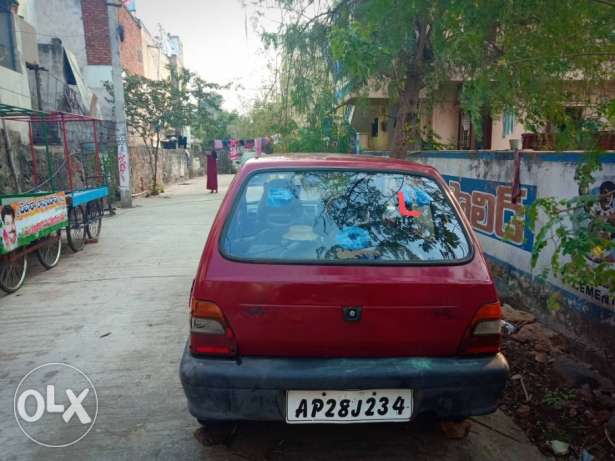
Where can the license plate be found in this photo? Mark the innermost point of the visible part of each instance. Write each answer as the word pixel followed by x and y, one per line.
pixel 374 405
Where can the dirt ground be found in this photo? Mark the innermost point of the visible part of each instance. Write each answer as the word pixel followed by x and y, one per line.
pixel 554 397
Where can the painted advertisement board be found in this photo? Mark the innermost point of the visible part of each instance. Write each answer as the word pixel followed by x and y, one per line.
pixel 482 182
pixel 25 219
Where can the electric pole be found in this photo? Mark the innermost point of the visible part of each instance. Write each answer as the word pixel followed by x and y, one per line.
pixel 121 132
pixel 37 79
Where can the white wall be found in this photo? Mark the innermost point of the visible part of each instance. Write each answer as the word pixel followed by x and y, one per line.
pixel 445 115
pixel 63 19
pixel 95 78
pixel 499 142
pixel 60 19
pixel 155 62
pixel 14 85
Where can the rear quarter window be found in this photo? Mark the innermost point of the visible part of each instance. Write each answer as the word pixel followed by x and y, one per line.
pixel 343 217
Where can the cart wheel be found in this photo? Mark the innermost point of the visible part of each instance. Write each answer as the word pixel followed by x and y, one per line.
pixel 75 231
pixel 49 254
pixel 13 273
pixel 94 214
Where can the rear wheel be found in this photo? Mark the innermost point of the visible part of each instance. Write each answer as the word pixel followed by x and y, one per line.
pixel 49 253
pixel 75 231
pixel 94 212
pixel 13 273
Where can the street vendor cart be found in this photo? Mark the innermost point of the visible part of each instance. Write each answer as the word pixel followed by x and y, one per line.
pixel 29 223
pixel 67 175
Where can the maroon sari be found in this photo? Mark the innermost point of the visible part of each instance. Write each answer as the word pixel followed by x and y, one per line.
pixel 212 172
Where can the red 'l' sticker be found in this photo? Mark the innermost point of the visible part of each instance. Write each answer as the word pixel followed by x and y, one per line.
pixel 402 207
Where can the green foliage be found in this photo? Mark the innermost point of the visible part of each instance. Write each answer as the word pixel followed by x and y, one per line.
pixel 209 120
pixel 157 108
pixel 293 133
pixel 532 57
pixel 263 119
pixel 579 239
pixel 558 398
pixel 550 62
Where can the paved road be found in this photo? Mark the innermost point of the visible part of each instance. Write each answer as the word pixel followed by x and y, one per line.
pixel 118 311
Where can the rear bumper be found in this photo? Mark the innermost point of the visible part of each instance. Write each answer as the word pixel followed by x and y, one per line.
pixel 253 388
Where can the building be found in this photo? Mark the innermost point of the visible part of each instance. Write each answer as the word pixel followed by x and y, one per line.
pixel 17 50
pixel 73 43
pixel 17 47
pixel 155 61
pixel 372 115
pixel 174 50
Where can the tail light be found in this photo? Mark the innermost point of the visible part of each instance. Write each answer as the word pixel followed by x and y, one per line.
pixel 484 334
pixel 209 331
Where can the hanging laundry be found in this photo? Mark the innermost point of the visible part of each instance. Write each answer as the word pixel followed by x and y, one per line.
pixel 516 182
pixel 218 144
pixel 233 150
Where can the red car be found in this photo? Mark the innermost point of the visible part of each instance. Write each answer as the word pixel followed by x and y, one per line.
pixel 339 290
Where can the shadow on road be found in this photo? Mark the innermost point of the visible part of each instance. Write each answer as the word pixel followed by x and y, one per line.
pixel 416 441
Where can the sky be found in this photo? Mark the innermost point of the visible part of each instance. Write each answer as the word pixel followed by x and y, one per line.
pixel 216 46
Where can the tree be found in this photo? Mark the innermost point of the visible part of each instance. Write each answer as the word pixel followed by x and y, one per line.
pixel 149 111
pixel 516 55
pixel 210 121
pixel 213 123
pixel 155 107
pixel 530 57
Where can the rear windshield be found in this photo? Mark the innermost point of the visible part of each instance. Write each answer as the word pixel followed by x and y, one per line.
pixel 343 216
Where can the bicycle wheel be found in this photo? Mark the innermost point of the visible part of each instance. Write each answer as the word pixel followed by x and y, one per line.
pixel 13 273
pixel 75 231
pixel 94 212
pixel 49 253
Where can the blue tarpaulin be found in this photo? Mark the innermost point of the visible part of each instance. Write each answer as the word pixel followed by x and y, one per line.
pixel 276 198
pixel 353 238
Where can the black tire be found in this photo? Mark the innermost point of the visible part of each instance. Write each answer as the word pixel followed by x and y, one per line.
pixel 13 273
pixel 49 254
pixel 75 231
pixel 94 213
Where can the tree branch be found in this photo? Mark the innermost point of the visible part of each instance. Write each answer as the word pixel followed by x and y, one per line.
pixel 605 2
pixel 328 12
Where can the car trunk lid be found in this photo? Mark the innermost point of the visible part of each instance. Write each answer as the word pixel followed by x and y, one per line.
pixel 397 311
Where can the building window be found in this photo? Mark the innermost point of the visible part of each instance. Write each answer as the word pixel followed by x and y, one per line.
pixel 467 137
pixel 464 136
pixel 7 41
pixel 375 128
pixel 508 123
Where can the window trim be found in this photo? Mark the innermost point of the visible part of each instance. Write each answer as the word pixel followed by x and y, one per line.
pixel 350 262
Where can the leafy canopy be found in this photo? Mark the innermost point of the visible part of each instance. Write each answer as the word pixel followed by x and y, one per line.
pixel 532 57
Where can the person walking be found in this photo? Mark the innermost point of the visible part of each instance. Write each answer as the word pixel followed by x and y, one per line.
pixel 212 172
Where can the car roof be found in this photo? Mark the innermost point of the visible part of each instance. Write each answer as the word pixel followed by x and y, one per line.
pixel 350 161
